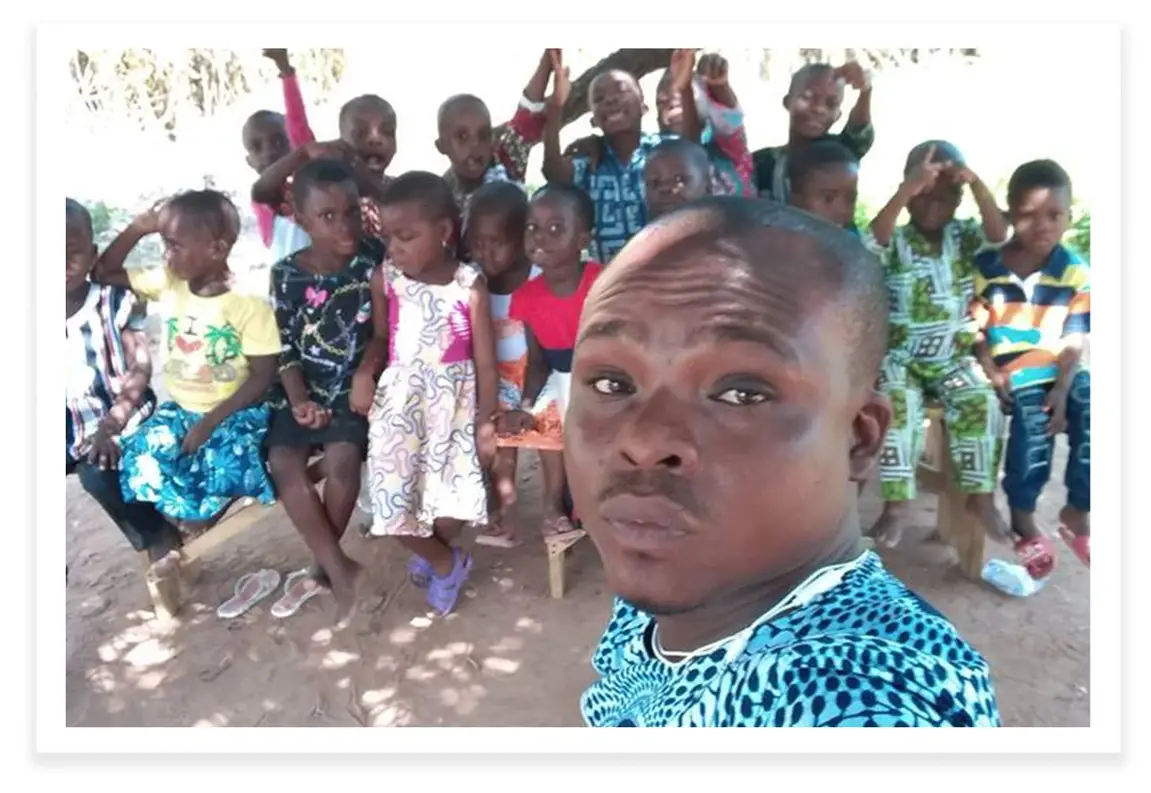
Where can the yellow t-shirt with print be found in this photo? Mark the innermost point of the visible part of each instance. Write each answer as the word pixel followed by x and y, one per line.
pixel 208 339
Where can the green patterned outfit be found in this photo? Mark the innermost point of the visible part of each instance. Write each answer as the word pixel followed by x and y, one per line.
pixel 930 358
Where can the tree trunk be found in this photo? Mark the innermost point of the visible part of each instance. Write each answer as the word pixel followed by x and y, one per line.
pixel 638 62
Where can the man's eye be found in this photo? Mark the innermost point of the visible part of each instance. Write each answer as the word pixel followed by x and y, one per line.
pixel 610 386
pixel 741 397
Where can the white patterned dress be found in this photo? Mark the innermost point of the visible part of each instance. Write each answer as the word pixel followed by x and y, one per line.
pixel 422 463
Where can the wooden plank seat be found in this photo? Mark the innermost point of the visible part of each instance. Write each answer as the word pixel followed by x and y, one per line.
pixel 169 590
pixel 557 554
pixel 954 525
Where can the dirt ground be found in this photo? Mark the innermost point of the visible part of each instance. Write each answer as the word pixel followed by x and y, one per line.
pixel 509 656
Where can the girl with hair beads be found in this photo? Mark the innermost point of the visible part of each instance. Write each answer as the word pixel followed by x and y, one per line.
pixel 203 449
pixel 430 421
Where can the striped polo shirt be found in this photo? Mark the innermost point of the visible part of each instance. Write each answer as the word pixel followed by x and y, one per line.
pixel 96 365
pixel 1025 320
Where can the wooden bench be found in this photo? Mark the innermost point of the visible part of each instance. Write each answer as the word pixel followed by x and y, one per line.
pixel 557 553
pixel 169 591
pixel 954 525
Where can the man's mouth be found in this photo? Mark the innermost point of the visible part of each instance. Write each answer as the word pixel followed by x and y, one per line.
pixel 374 162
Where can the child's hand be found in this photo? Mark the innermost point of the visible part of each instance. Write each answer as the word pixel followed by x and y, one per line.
pixel 196 437
pixel 279 56
pixel 713 69
pixel 105 449
pixel 561 83
pixel 1001 382
pixel 514 422
pixel 363 393
pixel 682 64
pixel 961 174
pixel 329 150
pixel 148 221
pixel 548 60
pixel 924 175
pixel 852 73
pixel 1056 405
pixel 309 414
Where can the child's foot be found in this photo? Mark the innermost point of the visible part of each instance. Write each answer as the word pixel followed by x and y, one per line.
pixel 1075 531
pixel 888 530
pixel 557 528
pixel 498 534
pixel 444 591
pixel 1037 555
pixel 346 593
pixel 982 506
pixel 419 571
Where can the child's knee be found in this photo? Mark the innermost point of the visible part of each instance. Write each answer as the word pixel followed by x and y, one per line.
pixel 342 463
pixel 287 465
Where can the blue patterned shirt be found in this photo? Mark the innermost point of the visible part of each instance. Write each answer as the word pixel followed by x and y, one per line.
pixel 867 652
pixel 616 188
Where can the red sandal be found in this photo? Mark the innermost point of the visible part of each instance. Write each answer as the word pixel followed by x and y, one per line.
pixel 1037 556
pixel 1080 545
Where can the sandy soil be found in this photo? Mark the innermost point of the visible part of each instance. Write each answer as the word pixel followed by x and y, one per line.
pixel 509 656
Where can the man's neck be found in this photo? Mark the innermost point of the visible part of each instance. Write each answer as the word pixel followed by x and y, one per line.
pixel 732 611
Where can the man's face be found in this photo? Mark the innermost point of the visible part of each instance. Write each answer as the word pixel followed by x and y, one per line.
pixel 713 431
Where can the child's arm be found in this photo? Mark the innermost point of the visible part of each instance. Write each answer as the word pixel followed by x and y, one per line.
pixel 557 168
pixel 526 127
pixel 130 320
pixel 295 115
pixel 726 118
pixel 487 371
pixel 994 221
pixel 270 186
pixel 921 179
pixel 1076 328
pixel 375 358
pixel 980 314
pixel 858 134
pixel 682 66
pixel 110 271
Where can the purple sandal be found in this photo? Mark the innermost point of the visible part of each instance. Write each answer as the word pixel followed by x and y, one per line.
pixel 419 571
pixel 443 592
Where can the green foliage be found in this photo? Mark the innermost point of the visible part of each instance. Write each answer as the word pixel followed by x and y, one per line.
pixel 106 220
pixel 1078 236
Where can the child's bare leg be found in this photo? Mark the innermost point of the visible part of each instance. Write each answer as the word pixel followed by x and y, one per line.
pixel 502 525
pixel 342 466
pixel 289 467
pixel 1077 521
pixel 552 464
pixel 888 529
pixel 433 550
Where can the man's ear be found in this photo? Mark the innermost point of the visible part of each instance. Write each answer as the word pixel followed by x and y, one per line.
pixel 869 430
pixel 440 147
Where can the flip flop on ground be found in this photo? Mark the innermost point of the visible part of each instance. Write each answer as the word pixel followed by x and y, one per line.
pixel 299 588
pixel 250 589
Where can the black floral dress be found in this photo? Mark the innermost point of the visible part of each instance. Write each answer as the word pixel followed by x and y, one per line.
pixel 325 323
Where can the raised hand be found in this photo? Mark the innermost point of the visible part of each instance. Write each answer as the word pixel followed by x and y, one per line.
pixel 924 175
pixel 712 68
pixel 852 73
pixel 561 81
pixel 329 150
pixel 681 67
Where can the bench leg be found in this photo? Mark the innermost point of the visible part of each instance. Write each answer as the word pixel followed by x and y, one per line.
pixel 164 592
pixel 955 524
pixel 556 572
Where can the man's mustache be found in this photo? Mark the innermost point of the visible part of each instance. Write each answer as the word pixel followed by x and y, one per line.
pixel 654 483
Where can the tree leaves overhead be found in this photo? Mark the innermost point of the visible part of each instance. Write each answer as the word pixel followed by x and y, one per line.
pixel 156 87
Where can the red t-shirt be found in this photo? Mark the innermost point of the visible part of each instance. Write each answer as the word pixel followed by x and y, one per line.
pixel 553 320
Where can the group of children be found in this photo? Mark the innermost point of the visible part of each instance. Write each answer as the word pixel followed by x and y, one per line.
pixel 419 329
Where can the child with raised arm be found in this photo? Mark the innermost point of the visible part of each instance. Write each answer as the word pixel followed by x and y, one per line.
pixel 107 393
pixel 814 103
pixel 558 229
pixel 199 452
pixel 1033 306
pixel 616 183
pixel 323 310
pixel 367 142
pixel 466 138
pixel 495 235
pixel 431 432
pixel 269 136
pixel 929 267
